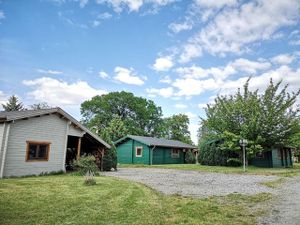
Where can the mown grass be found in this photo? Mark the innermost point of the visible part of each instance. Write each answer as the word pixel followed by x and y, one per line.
pixel 274 183
pixel 284 172
pixel 65 200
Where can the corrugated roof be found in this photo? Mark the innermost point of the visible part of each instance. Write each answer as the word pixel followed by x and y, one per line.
pixel 161 142
pixel 17 115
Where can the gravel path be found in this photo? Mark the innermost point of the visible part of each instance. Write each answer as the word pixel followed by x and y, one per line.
pixel 285 209
pixel 194 183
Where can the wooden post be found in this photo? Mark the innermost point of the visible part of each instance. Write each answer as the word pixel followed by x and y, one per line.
pixel 102 155
pixel 78 148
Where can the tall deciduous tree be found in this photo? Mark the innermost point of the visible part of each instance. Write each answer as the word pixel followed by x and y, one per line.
pixel 267 119
pixel 176 128
pixel 13 104
pixel 139 115
pixel 114 131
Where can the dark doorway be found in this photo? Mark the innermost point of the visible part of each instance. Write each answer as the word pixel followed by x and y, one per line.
pixel 71 151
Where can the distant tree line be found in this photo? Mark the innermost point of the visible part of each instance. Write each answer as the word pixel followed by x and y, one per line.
pixel 14 104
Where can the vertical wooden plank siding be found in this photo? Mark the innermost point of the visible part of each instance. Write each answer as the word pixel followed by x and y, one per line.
pixel 164 156
pixel 125 152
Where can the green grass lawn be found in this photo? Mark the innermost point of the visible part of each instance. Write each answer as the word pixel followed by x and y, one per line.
pixel 295 171
pixel 65 200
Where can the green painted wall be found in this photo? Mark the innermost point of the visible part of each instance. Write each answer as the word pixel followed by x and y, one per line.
pixel 276 158
pixel 127 155
pixel 164 156
pixel 124 152
pixel 145 159
pixel 265 161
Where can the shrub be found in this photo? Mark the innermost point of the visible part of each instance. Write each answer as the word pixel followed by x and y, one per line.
pixel 234 162
pixel 84 164
pixel 89 178
pixel 190 157
pixel 110 159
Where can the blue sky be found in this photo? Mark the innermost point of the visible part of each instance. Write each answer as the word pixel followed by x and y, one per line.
pixel 181 54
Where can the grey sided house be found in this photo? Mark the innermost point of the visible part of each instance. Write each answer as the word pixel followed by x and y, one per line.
pixel 150 150
pixel 43 141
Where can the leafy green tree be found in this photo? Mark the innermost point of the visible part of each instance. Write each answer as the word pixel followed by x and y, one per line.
pixel 13 104
pixel 114 131
pixel 190 157
pixel 265 120
pixel 139 115
pixel 176 128
pixel 40 105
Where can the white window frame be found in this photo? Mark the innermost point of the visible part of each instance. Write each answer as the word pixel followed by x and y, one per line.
pixel 175 155
pixel 136 151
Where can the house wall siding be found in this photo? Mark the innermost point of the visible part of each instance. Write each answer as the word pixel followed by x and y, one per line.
pixel 2 138
pixel 276 158
pixel 164 156
pixel 124 152
pixel 145 159
pixel 75 131
pixel 48 128
pixel 127 155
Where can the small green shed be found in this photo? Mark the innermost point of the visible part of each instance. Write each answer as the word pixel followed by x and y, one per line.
pixel 275 157
pixel 150 150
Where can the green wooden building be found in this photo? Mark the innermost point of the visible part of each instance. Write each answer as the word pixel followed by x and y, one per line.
pixel 275 157
pixel 149 150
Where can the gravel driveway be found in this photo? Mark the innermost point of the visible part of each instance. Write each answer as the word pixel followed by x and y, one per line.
pixel 194 183
pixel 285 209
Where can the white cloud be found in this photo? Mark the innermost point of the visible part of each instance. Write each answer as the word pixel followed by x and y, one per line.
pixel 180 106
pixel 51 72
pixel 215 4
pixel 103 74
pixel 132 5
pixel 3 98
pixel 283 59
pixel 164 92
pixel 287 74
pixel 2 15
pixel 178 27
pixel 191 87
pixel 250 67
pixel 192 72
pixel 191 115
pixel 234 28
pixel 197 72
pixel 202 105
pixel 96 23
pixel 190 51
pixel 82 3
pixel 193 128
pixel 295 42
pixel 203 9
pixel 163 64
pixel 104 16
pixel 60 93
pixel 166 80
pixel 127 76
